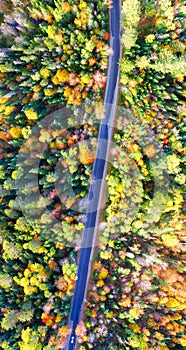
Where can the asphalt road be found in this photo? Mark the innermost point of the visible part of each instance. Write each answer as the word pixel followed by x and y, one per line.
pixel 98 176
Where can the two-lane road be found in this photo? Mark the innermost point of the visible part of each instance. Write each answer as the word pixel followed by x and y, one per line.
pixel 98 177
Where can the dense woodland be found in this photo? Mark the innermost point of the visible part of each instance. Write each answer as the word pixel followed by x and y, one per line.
pixel 53 70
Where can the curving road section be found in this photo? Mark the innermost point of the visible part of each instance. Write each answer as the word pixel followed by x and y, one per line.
pixel 98 177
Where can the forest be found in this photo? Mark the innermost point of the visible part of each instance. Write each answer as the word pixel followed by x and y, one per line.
pixel 53 72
